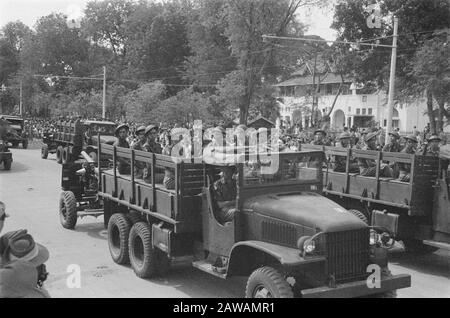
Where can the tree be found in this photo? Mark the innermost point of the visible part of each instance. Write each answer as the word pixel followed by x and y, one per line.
pixel 140 103
pixel 16 33
pixel 418 22
pixel 9 63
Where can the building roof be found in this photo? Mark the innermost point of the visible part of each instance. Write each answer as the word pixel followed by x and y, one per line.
pixel 308 80
pixel 261 122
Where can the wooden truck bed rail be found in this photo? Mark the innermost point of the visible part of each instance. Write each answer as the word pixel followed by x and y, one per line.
pixel 416 195
pixel 179 207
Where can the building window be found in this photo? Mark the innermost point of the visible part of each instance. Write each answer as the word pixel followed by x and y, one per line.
pixel 364 99
pixel 370 111
pixel 329 89
pixel 349 109
pixel 358 111
pixel 385 122
pixel 363 111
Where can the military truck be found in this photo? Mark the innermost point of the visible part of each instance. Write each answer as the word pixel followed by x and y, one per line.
pixel 415 212
pixel 5 155
pixel 17 135
pixel 283 234
pixel 73 137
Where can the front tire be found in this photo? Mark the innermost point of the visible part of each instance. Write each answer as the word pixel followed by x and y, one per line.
pixel 146 261
pixel 68 210
pixel 267 282
pixel 44 151
pixel 59 154
pixel 7 164
pixel 65 155
pixel 118 233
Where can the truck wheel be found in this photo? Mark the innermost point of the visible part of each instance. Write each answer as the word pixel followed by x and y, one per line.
pixel 360 215
pixel 7 164
pixel 118 233
pixel 386 273
pixel 146 261
pixel 65 155
pixel 25 144
pixel 68 210
pixel 59 153
pixel 267 282
pixel 44 151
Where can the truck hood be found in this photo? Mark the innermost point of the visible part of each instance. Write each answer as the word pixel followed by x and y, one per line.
pixel 307 209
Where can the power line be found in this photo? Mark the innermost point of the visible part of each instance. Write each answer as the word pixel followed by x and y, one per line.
pixel 321 40
pixel 69 77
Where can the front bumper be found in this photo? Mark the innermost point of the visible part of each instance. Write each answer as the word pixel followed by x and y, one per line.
pixel 358 288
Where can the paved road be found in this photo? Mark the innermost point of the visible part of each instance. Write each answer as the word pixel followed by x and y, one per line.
pixel 31 192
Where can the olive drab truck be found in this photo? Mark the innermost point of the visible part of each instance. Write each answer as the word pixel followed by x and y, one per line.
pixel 73 137
pixel 415 212
pixel 280 232
pixel 17 134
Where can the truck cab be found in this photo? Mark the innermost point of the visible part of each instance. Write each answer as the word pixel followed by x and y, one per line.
pixel 16 123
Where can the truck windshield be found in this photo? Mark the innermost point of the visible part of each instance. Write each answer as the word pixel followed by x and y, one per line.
pixel 292 168
pixel 15 123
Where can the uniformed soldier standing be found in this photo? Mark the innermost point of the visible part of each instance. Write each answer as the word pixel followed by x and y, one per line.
pixel 319 138
pixel 121 133
pixel 340 161
pixel 138 144
pixel 432 149
pixel 151 132
pixel 368 167
pixel 405 168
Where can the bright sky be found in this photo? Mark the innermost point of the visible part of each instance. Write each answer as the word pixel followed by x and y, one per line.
pixel 28 11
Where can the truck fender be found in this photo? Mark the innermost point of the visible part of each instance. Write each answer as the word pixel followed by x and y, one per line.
pixel 246 256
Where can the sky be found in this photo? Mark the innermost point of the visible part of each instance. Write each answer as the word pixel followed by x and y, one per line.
pixel 28 11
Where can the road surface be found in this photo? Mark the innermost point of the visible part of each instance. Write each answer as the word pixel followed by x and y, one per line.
pixel 31 193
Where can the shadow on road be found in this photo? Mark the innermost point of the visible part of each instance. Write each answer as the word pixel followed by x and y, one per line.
pixel 437 263
pixel 94 229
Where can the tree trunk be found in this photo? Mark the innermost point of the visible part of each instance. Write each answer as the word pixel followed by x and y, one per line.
pixel 430 112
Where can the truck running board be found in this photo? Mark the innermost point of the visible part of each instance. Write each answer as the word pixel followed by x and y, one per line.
pixel 444 246
pixel 208 268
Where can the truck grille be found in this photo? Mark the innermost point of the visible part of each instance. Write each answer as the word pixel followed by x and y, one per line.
pixel 275 232
pixel 347 254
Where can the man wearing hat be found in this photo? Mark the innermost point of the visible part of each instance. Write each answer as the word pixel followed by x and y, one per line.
pixel 224 195
pixel 341 161
pixel 122 134
pixel 22 268
pixel 138 144
pixel 151 132
pixel 368 167
pixel 3 215
pixel 433 146
pixel 393 145
pixel 319 138
pixel 405 168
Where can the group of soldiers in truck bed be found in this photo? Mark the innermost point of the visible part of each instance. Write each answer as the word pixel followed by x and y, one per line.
pixel 367 167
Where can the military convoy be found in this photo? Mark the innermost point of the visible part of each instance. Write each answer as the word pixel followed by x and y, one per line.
pixel 73 137
pixel 17 134
pixel 416 212
pixel 283 234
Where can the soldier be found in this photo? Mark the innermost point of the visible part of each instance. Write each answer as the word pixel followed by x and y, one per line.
pixel 224 195
pixel 340 161
pixel 393 145
pixel 151 132
pixel 138 144
pixel 169 176
pixel 368 167
pixel 319 138
pixel 432 148
pixel 405 168
pixel 121 133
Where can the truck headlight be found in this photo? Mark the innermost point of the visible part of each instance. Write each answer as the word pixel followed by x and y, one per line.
pixel 374 237
pixel 306 244
pixel 309 246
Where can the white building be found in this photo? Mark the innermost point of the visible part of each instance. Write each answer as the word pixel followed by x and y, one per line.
pixel 353 107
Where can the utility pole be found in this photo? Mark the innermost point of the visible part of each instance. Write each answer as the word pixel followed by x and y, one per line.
pixel 21 100
pixel 390 106
pixel 104 93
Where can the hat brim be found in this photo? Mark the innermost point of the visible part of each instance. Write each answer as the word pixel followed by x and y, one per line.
pixel 42 257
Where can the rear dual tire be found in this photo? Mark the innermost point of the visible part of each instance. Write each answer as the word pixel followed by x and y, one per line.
pixel 59 154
